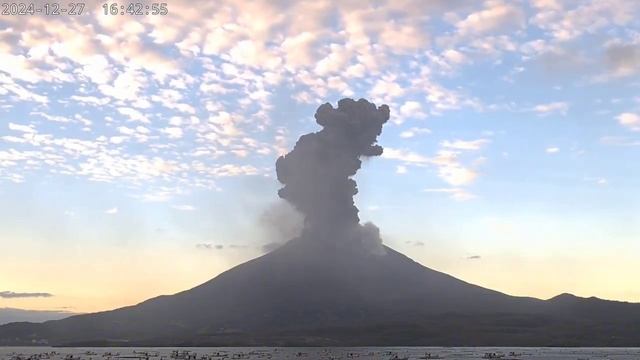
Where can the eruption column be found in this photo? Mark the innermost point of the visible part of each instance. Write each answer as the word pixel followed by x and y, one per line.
pixel 317 173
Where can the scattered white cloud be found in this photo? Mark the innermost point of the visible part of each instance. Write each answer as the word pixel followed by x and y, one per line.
pixel 600 181
pixel 496 16
pixel 565 24
pixel 454 56
pixel 551 108
pixel 414 131
pixel 405 156
pixel 184 207
pixel 173 132
pixel 191 98
pixel 619 141
pixel 457 194
pixel 465 145
pixel 449 167
pixel 22 128
pixel 410 110
pixel 111 211
pixel 457 175
pixel 133 115
pixel 629 120
pixel 386 89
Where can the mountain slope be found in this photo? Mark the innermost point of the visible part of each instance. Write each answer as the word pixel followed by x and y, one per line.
pixel 310 293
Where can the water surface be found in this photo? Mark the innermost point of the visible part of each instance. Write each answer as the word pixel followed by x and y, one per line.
pixel 222 353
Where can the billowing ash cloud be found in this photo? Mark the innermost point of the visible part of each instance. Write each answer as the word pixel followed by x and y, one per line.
pixel 317 173
pixel 280 223
pixel 16 295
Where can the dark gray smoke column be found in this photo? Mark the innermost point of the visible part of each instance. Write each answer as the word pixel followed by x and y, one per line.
pixel 317 173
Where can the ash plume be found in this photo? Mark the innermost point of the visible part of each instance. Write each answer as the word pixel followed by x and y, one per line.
pixel 317 173
pixel 280 222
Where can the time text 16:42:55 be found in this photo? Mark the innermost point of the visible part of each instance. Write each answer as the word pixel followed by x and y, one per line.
pixel 136 8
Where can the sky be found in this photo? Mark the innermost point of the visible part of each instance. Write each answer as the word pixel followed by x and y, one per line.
pixel 137 153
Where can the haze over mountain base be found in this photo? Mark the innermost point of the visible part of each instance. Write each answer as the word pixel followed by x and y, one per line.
pixel 310 293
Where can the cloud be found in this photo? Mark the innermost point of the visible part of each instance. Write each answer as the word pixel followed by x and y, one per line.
pixel 619 141
pixel 405 156
pixel 111 211
pixel 209 246
pixel 160 194
pixel 496 15
pixel 299 49
pixel 406 134
pixel 415 243
pixel 411 109
pixel 565 24
pixel 552 150
pixel 465 145
pixel 22 128
pixel 184 207
pixel 386 89
pixel 455 193
pixel 133 115
pixel 90 100
pixel 551 108
pixel 629 120
pixel 597 180
pixel 449 167
pixel 454 56
pixel 623 59
pixel 237 246
pixel 335 61
pixel 455 174
pixel 402 38
pixel 53 118
pixel 172 132
pixel 17 295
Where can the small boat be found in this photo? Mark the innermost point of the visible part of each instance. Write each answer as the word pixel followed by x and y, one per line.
pixel 492 356
pixel 395 357
pixel 430 356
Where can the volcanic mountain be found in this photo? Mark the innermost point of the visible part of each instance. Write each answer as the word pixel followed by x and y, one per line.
pixel 306 293
pixel 336 284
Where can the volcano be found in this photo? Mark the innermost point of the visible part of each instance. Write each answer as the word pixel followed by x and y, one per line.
pixel 307 293
pixel 337 284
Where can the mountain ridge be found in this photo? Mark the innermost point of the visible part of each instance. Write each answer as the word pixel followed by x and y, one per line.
pixel 314 294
